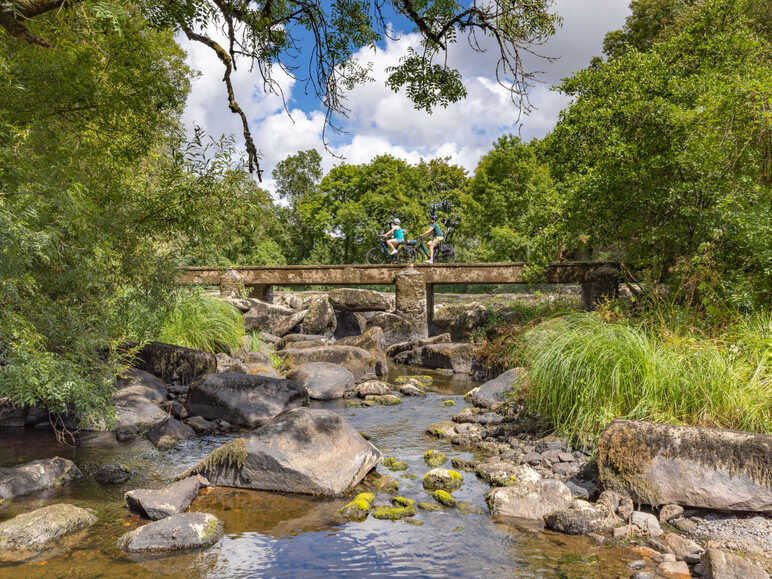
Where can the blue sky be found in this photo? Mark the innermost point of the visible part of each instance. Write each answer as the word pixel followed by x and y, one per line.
pixel 381 121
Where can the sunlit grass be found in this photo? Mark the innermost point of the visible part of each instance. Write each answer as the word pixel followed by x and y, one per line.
pixel 203 323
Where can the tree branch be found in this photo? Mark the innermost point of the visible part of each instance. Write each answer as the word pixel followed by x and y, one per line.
pixel 13 14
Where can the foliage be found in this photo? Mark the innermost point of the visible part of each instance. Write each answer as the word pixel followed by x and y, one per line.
pixel 664 155
pixel 585 372
pixel 203 323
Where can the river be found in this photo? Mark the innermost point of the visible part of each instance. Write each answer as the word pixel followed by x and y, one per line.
pixel 283 535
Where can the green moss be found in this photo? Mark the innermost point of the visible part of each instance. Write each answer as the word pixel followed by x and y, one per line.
pixel 414 522
pixel 392 464
pixel 461 464
pixel 442 479
pixel 458 529
pixel 429 506
pixel 444 498
pixel 359 508
pixel 410 476
pixel 449 403
pixel 351 403
pixel 455 475
pixel 393 513
pixel 434 458
pixel 422 380
pixel 232 454
pixel 402 502
pixel 365 436
pixel 465 508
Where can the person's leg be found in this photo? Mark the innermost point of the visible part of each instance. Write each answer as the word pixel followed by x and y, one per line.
pixel 392 243
pixel 432 243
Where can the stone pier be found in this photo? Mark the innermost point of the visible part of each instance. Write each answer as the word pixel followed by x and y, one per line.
pixel 410 300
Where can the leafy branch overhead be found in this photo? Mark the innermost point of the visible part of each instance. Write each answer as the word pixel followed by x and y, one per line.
pixel 271 35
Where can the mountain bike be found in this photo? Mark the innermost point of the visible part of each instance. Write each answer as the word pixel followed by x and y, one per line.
pixel 443 253
pixel 381 254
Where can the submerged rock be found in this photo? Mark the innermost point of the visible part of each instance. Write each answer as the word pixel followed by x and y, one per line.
pixel 528 495
pixel 176 533
pixel 581 518
pixel 700 467
pixel 493 393
pixel 392 464
pixel 393 513
pixel 309 451
pixel 359 508
pixel 384 400
pixel 358 361
pixel 112 474
pixel 324 381
pixel 165 435
pixel 242 399
pixel 442 478
pixel 37 475
pixel 27 534
pixel 157 504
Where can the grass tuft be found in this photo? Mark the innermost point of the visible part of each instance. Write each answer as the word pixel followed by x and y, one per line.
pixel 203 323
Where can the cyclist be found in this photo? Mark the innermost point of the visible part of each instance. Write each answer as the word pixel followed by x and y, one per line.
pixel 437 238
pixel 398 236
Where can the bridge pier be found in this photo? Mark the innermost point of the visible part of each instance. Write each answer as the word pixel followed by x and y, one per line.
pixel 598 285
pixel 263 292
pixel 411 300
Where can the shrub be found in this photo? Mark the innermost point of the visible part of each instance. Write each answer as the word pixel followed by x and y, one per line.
pixel 203 323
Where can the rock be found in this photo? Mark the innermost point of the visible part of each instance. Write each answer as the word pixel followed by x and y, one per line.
pixel 444 498
pixel 498 473
pixel 169 433
pixel 442 478
pixel 243 399
pixel 674 570
pixel 426 506
pixel 358 361
pixel 175 533
pixel 384 400
pixel 492 393
pixel 372 388
pixel 241 304
pixel 289 339
pixel 359 508
pixel 232 284
pixel 455 357
pixel 12 416
pixel 289 300
pixel 35 476
pixel 699 467
pixel 577 490
pixel 176 409
pixel 396 328
pixel 461 464
pixel 201 425
pixel 532 458
pixel 320 318
pixel 324 381
pixel 349 324
pixel 157 504
pixel 392 464
pixel 723 565
pixel 112 474
pixel 226 364
pixel 309 451
pixel 373 341
pixel 682 547
pixel 175 363
pixel 266 316
pixel 626 508
pixel 435 458
pixel 580 518
pixel 288 324
pixel 444 429
pixel 358 300
pixel 136 408
pixel 646 522
pixel 393 513
pixel 410 390
pixel 529 496
pixel 669 512
pixel 460 320
pixel 27 534
pixel 400 347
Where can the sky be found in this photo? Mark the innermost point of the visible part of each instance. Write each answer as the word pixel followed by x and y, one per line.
pixel 381 121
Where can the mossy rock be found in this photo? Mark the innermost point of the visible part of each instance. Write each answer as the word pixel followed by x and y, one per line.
pixel 384 400
pixel 359 508
pixel 434 458
pixel 414 522
pixel 423 380
pixel 461 464
pixel 393 513
pixel 376 482
pixel 444 429
pixel 410 476
pixel 351 403
pixel 467 508
pixel 442 478
pixel 449 403
pixel 444 498
pixel 392 464
pixel 402 502
pixel 427 506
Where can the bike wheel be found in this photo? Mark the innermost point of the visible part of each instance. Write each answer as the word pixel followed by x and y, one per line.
pixel 409 254
pixel 375 256
pixel 447 255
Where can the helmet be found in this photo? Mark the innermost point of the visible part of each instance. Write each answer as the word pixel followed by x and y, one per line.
pixel 396 221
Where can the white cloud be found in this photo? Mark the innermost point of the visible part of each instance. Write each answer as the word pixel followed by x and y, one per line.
pixel 381 121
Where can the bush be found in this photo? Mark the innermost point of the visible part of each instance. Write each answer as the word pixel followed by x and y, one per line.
pixel 585 372
pixel 203 323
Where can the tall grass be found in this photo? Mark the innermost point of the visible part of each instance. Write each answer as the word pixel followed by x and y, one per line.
pixel 203 323
pixel 584 372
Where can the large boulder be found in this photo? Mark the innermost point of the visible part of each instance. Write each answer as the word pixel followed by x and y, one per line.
pixel 320 317
pixel 136 405
pixel 396 328
pixel 358 361
pixel 175 363
pixel 278 320
pixel 493 393
pixel 528 496
pixel 708 468
pixel 243 399
pixel 719 564
pixel 38 475
pixel 165 435
pixel 309 451
pixel 137 381
pixel 581 518
pixel 175 533
pixel 27 534
pixel 174 498
pixel 456 357
pixel 400 347
pixel 459 320
pixel 11 415
pixel 349 324
pixel 374 341
pixel 358 300
pixel 324 381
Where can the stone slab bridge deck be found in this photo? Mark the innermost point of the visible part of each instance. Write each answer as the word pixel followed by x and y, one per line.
pixel 414 284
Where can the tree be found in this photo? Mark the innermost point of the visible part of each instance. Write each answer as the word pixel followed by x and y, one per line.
pixel 272 34
pixel 665 155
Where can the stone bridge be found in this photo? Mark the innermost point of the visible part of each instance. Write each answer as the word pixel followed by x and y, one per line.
pixel 414 284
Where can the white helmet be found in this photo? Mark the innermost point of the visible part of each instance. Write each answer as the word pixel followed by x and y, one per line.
pixel 396 221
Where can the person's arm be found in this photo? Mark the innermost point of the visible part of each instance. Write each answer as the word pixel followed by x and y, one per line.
pixel 389 232
pixel 427 232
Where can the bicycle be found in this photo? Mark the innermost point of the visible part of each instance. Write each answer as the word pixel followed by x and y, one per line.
pixel 382 254
pixel 443 253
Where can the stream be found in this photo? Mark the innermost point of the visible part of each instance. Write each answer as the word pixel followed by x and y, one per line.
pixel 284 535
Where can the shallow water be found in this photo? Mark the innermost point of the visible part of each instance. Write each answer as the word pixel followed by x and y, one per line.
pixel 277 535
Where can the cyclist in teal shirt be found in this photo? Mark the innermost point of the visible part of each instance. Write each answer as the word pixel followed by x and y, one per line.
pixel 437 238
pixel 398 236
